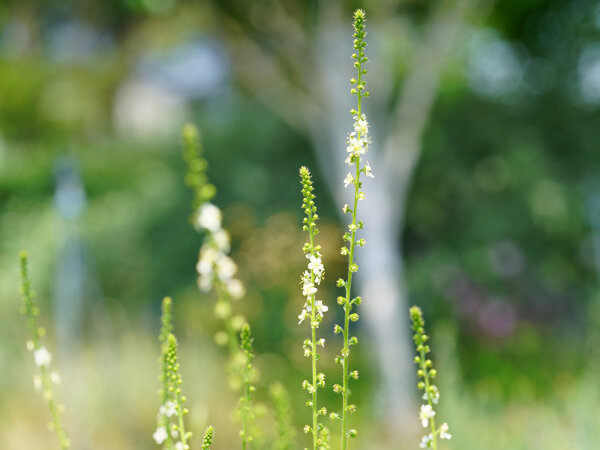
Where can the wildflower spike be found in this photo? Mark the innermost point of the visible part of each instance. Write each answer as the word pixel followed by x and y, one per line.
pixel 426 372
pixel 42 357
pixel 313 309
pixel 357 147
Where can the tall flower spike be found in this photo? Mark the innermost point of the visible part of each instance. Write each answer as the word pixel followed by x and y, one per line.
pixel 247 389
pixel 313 309
pixel 358 144
pixel 426 374
pixel 42 357
pixel 216 270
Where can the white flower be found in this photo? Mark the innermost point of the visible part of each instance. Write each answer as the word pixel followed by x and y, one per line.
pixel 37 382
pixel 209 217
pixel 205 282
pixel 361 126
pixel 208 257
pixel 160 435
pixel 179 446
pixel 321 342
pixel 355 145
pixel 169 409
pixel 425 441
pixel 308 289
pixel 221 239
pixel 235 288
pixel 226 268
pixel 368 170
pixel 320 307
pixel 55 377
pixel 425 414
pixel 42 357
pixel 303 315
pixel 444 431
pixel 348 180
pixel 316 265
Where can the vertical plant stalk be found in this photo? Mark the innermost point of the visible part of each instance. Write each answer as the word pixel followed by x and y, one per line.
pixel 313 308
pixel 170 429
pixel 426 373
pixel 358 142
pixel 215 268
pixel 43 358
pixel 247 388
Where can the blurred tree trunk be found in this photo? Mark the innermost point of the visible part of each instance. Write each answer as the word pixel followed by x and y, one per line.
pixel 316 103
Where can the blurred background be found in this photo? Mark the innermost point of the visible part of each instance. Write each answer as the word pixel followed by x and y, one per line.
pixel 485 209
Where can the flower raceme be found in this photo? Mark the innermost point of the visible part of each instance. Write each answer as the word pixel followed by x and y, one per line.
pixel 313 309
pixel 45 380
pixel 426 374
pixel 357 147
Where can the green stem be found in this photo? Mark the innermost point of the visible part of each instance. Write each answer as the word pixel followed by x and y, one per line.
pixel 181 422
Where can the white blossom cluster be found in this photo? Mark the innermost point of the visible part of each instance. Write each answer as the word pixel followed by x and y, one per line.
pixel 165 412
pixel 42 358
pixel 358 143
pixel 425 414
pixel 310 279
pixel 213 262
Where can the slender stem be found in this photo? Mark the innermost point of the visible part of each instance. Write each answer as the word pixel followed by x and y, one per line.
pixel 181 422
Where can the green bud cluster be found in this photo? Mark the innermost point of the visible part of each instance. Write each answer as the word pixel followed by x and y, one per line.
pixel 196 177
pixel 308 205
pixel 208 438
pixel 358 56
